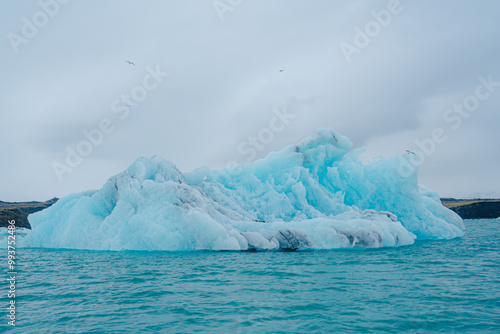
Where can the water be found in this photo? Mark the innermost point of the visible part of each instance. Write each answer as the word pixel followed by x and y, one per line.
pixel 447 286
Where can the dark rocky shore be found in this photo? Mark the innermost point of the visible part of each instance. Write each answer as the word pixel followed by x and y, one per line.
pixel 474 208
pixel 19 211
pixel 465 208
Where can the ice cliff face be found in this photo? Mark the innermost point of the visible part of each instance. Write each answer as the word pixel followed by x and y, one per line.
pixel 312 195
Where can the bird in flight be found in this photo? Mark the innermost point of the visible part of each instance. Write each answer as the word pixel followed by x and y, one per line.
pixel 281 70
pixel 129 62
pixel 410 152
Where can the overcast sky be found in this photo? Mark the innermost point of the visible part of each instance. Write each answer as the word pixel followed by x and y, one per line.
pixel 383 73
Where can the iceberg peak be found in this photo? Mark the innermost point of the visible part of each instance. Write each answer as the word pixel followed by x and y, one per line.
pixel 334 145
pixel 155 168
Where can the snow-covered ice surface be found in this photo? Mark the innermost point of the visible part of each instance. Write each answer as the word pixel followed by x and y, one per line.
pixel 316 194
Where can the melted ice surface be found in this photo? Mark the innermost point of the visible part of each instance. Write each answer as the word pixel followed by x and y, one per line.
pixel 316 194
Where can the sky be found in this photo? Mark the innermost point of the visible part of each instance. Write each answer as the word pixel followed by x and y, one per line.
pixel 213 82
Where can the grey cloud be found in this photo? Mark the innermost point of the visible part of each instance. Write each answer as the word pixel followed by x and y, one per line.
pixel 224 83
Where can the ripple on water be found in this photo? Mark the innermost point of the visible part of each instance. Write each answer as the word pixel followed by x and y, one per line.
pixel 448 286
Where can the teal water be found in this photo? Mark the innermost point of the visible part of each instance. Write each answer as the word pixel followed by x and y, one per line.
pixel 441 286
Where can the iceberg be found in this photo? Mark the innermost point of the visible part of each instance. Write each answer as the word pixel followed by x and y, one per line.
pixel 313 195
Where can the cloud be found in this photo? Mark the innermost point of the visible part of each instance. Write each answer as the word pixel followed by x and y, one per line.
pixel 225 82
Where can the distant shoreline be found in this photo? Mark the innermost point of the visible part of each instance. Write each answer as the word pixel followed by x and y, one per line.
pixel 19 211
pixel 474 208
pixel 465 208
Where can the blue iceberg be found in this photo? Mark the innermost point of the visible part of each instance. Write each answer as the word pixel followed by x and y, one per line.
pixel 314 195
